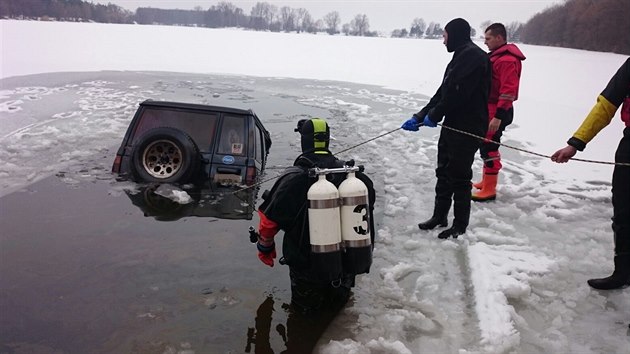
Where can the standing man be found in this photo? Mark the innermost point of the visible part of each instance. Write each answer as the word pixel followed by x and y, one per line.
pixel 462 100
pixel 506 73
pixel 616 92
pixel 285 208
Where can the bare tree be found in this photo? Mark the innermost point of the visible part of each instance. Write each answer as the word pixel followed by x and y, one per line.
pixel 319 26
pixel 438 31
pixel 308 24
pixel 262 15
pixel 513 30
pixel 332 21
pixel 345 29
pixel 360 25
pixel 417 27
pixel 287 18
pixel 228 13
pixel 399 33
pixel 434 30
pixel 430 29
pixel 299 18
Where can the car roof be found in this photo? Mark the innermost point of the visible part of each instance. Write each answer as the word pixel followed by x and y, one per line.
pixel 202 107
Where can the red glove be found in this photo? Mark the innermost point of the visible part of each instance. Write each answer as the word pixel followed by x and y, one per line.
pixel 266 253
pixel 266 247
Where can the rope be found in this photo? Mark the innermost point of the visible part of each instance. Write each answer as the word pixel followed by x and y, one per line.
pixel 367 141
pixel 337 153
pixel 450 128
pixel 531 152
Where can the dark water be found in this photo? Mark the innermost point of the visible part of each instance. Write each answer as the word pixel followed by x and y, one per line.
pixel 84 269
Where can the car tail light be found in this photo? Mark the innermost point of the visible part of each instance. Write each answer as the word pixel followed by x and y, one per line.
pixel 116 165
pixel 250 177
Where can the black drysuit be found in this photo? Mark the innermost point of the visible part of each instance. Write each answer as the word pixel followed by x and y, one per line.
pixel 615 95
pixel 462 100
pixel 286 204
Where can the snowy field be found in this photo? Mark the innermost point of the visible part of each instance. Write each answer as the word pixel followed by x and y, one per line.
pixel 516 282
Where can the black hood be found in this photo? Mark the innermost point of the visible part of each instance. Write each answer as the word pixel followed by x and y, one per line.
pixel 314 134
pixel 458 31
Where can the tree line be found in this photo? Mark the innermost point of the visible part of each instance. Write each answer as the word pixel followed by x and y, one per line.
pixel 64 10
pixel 262 17
pixel 602 25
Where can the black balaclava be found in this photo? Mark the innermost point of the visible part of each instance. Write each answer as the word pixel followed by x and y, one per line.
pixel 315 135
pixel 458 31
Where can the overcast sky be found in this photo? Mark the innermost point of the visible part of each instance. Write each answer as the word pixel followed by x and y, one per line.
pixel 384 15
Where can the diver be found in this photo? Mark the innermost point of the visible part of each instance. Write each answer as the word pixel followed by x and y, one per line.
pixel 286 208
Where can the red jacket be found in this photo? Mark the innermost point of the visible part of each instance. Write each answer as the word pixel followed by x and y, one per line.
pixel 506 74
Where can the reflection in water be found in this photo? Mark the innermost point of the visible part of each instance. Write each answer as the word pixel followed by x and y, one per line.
pixel 300 335
pixel 166 202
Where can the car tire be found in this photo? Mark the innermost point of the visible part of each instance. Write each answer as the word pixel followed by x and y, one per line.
pixel 165 155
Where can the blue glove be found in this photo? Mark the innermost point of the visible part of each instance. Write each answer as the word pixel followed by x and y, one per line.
pixel 428 122
pixel 411 125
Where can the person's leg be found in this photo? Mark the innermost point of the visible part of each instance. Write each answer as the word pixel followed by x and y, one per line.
pixel 483 151
pixel 459 175
pixel 306 296
pixel 313 307
pixel 492 162
pixel 443 191
pixel 621 220
pixel 621 197
pixel 339 294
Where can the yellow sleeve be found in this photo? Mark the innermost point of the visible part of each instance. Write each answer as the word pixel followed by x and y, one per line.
pixel 600 116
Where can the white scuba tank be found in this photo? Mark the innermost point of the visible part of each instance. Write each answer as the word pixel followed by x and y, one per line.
pixel 355 225
pixel 324 226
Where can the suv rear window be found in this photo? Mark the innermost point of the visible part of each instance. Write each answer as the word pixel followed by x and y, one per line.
pixel 259 144
pixel 199 126
pixel 232 136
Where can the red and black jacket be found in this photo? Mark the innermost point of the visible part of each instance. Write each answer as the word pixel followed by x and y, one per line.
pixel 506 74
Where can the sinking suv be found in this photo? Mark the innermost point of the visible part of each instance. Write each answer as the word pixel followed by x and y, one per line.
pixel 173 142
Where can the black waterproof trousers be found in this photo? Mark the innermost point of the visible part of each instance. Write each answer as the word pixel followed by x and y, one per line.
pixel 456 153
pixel 621 197
pixel 489 151
pixel 310 297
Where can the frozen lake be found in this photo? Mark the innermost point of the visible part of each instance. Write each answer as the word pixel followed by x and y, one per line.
pixel 84 270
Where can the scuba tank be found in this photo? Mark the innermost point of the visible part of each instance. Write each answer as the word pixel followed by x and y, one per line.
pixel 355 225
pixel 324 226
pixel 339 224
